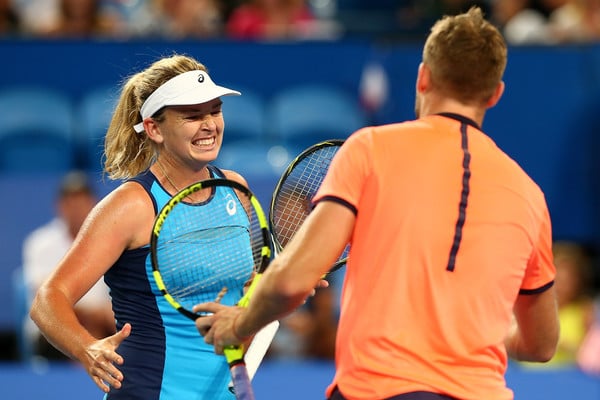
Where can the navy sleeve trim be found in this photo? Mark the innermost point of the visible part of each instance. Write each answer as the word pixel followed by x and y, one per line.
pixel 146 179
pixel 538 290
pixel 339 201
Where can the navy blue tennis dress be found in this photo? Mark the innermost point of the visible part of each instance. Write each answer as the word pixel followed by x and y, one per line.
pixel 165 357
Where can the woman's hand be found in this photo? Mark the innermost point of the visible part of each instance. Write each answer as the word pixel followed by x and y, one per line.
pixel 100 358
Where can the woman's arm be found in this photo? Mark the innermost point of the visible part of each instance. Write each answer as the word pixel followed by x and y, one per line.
pixel 121 221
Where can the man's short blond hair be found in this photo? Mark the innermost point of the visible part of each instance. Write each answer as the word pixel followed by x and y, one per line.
pixel 466 55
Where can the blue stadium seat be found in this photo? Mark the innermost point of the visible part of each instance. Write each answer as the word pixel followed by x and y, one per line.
pixel 260 162
pixel 93 117
pixel 253 157
pixel 244 116
pixel 303 115
pixel 36 131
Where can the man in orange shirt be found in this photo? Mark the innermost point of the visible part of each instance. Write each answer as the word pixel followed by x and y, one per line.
pixel 450 270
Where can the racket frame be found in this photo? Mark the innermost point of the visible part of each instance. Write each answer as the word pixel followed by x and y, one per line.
pixel 288 171
pixel 178 198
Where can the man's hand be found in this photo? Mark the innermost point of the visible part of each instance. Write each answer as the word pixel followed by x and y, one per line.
pixel 219 326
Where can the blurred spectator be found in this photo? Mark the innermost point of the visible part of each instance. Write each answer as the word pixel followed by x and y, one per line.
pixel 81 19
pixel 37 16
pixel 549 21
pixel 132 18
pixel 276 20
pixel 521 22
pixel 431 10
pixel 588 357
pixel 413 18
pixel 310 331
pixel 546 7
pixel 453 7
pixel 190 18
pixel 576 21
pixel 9 19
pixel 323 309
pixel 45 246
pixel 575 301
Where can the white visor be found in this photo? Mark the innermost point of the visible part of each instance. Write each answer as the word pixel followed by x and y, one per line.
pixel 192 87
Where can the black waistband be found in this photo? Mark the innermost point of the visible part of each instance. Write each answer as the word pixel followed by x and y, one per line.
pixel 336 395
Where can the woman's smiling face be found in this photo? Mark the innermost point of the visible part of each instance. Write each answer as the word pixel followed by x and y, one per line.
pixel 194 131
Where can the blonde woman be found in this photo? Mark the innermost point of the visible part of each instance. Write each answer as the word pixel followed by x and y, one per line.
pixel 166 130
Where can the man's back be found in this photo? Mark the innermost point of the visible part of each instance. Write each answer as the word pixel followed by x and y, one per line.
pixel 446 235
pixel 449 240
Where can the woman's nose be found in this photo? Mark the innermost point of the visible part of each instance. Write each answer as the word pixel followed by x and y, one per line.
pixel 208 122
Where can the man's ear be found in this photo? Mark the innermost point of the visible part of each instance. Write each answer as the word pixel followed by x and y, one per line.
pixel 495 98
pixel 423 78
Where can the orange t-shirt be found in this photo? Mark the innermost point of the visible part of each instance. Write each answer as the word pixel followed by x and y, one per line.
pixel 449 230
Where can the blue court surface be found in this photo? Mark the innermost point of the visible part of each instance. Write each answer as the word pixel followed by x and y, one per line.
pixel 291 380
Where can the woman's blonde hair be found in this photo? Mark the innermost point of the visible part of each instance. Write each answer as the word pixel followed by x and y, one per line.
pixel 128 153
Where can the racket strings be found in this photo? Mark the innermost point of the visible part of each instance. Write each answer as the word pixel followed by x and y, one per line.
pixel 202 250
pixel 197 267
pixel 293 201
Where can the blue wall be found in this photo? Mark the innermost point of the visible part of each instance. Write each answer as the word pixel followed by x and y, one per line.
pixel 78 66
pixel 546 121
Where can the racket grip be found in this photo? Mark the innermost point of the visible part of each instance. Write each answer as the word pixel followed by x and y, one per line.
pixel 257 349
pixel 234 354
pixel 241 382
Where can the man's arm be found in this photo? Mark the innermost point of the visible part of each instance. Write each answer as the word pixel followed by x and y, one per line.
pixel 534 335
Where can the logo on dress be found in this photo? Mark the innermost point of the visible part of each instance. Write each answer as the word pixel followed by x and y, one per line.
pixel 231 205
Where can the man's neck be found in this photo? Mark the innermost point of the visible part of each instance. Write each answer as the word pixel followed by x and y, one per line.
pixel 445 105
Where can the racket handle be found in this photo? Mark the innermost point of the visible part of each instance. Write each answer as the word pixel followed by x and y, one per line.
pixel 258 348
pixel 241 382
pixel 233 354
pixel 236 353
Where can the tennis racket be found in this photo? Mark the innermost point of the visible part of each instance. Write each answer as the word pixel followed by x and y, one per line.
pixel 206 243
pixel 291 200
pixel 258 349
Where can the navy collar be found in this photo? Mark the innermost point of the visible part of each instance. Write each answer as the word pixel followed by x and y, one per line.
pixel 460 118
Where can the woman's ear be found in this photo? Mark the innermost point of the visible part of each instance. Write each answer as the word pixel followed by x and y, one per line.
pixel 152 130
